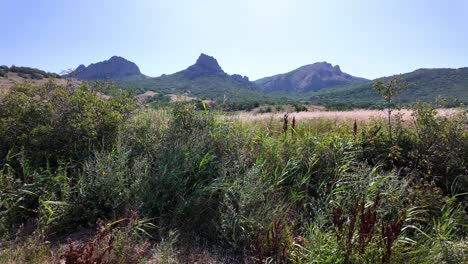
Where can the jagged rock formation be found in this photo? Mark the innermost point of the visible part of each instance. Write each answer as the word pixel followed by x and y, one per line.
pixel 312 77
pixel 207 66
pixel 114 68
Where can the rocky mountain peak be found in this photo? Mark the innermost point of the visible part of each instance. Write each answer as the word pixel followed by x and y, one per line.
pixel 80 68
pixel 209 63
pixel 114 68
pixel 311 77
pixel 204 66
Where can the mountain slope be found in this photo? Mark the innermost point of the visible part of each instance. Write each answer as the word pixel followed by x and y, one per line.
pixel 312 77
pixel 204 79
pixel 426 86
pixel 113 68
pixel 9 76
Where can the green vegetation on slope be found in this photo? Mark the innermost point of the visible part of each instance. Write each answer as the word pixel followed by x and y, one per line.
pixel 27 72
pixel 426 86
pixel 211 88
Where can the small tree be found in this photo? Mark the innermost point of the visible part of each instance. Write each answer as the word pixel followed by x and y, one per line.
pixel 388 90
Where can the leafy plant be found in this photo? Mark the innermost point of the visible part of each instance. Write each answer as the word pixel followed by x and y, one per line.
pixel 388 91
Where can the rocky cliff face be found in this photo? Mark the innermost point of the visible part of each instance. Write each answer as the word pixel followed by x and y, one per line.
pixel 312 77
pixel 207 66
pixel 114 68
pixel 204 66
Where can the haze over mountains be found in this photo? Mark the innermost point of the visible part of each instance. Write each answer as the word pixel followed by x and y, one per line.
pixel 307 78
pixel 320 83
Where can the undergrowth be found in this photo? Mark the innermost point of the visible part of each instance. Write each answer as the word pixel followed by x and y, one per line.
pixel 163 186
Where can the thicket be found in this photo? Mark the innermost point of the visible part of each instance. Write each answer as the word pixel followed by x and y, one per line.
pixel 318 192
pixel 28 73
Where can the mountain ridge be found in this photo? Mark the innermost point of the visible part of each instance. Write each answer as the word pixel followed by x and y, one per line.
pixel 427 84
pixel 310 77
pixel 204 79
pixel 114 68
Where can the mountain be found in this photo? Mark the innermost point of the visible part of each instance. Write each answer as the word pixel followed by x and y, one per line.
pixel 114 68
pixel 312 77
pixel 425 85
pixel 204 66
pixel 204 79
pixel 207 66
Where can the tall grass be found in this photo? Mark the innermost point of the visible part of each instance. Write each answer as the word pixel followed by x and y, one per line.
pixel 331 192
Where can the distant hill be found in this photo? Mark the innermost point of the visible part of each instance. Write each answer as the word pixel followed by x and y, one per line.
pixel 312 77
pixel 114 68
pixel 9 76
pixel 426 86
pixel 318 83
pixel 27 72
pixel 205 79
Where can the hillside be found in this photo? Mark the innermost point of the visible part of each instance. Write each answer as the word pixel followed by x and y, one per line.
pixel 426 86
pixel 312 77
pixel 9 76
pixel 114 68
pixel 205 79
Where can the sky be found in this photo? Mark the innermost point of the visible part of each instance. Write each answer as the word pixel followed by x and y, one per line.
pixel 256 38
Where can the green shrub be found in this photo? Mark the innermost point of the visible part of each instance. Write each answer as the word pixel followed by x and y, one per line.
pixel 300 108
pixel 49 124
pixel 325 193
pixel 107 186
pixel 184 165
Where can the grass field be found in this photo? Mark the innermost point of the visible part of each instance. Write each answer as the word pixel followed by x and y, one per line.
pixel 88 179
pixel 12 78
pixel 358 114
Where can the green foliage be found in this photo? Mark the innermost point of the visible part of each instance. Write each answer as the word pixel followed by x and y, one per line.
pixel 323 194
pixel 436 147
pixel 300 108
pixel 45 132
pixel 166 252
pixel 216 88
pixel 390 89
pixel 107 186
pixel 49 124
pixel 426 86
pixel 159 101
pixel 28 73
pixel 185 165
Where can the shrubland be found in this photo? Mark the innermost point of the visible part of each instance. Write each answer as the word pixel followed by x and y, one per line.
pixel 27 72
pixel 88 179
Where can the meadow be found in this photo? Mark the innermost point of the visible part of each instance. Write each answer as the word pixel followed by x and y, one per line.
pixel 88 179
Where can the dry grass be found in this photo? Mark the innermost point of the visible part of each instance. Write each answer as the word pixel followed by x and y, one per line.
pixel 285 108
pixel 145 96
pixel 13 78
pixel 185 98
pixel 29 250
pixel 360 115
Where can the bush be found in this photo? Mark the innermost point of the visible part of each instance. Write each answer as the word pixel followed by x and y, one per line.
pixel 184 165
pixel 436 147
pixel 300 108
pixel 26 71
pixel 107 186
pixel 45 134
pixel 49 124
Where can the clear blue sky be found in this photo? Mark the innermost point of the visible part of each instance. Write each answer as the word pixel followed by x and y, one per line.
pixel 257 38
